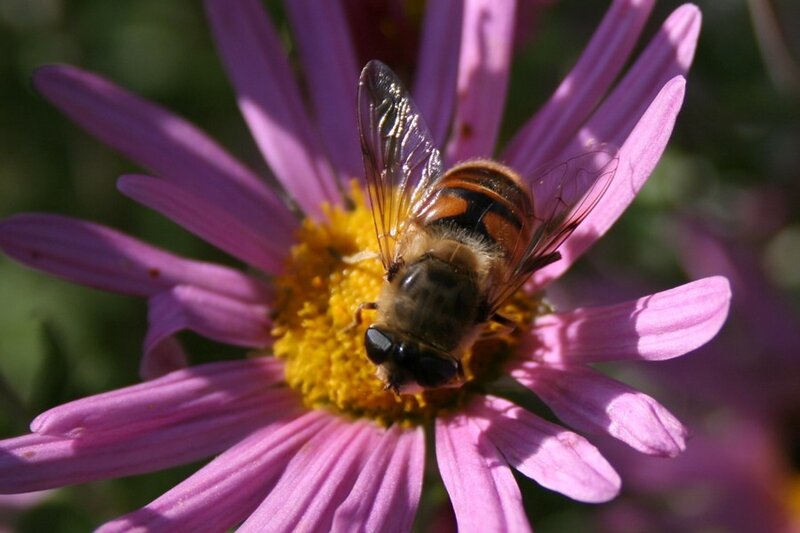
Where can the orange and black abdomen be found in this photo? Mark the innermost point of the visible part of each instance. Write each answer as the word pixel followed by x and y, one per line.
pixel 484 199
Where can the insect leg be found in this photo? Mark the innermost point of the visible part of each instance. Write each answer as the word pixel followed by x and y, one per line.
pixel 507 324
pixel 352 259
pixel 357 318
pixel 355 258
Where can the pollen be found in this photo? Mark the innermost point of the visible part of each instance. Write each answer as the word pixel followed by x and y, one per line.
pixel 334 267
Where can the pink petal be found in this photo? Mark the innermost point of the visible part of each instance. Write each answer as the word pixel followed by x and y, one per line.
pixel 35 462
pixel 592 402
pixel 316 480
pixel 216 225
pixel 329 64
pixel 482 489
pixel 172 148
pixel 486 37
pixel 434 87
pixel 386 494
pixel 545 135
pixel 555 458
pixel 668 56
pixel 214 316
pixel 660 326
pixel 225 491
pixel 196 391
pixel 100 257
pixel 638 116
pixel 637 158
pixel 271 101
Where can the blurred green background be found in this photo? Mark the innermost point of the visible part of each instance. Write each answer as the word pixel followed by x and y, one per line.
pixel 738 135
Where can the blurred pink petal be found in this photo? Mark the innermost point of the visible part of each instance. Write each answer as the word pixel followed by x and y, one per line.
pixel 172 148
pixel 35 462
pixel 180 395
pixel 270 102
pixel 162 358
pixel 557 459
pixel 544 136
pixel 240 477
pixel 483 69
pixel 762 307
pixel 15 507
pixel 592 402
pixel 660 326
pixel 212 315
pixel 386 494
pixel 527 18
pixel 317 479
pixel 329 63
pixel 482 489
pixel 21 502
pixel 104 258
pixel 207 220
pixel 637 158
pixel 733 477
pixel 434 87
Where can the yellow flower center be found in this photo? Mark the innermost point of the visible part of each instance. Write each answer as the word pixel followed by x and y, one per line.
pixel 323 347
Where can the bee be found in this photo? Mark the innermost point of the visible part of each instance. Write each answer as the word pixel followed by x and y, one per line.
pixel 455 245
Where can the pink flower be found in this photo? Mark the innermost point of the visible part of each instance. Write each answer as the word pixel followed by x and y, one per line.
pixel 283 462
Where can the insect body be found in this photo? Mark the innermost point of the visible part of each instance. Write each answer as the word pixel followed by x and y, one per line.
pixel 435 302
pixel 455 244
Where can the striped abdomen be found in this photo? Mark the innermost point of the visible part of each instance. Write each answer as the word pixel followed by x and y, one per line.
pixel 486 200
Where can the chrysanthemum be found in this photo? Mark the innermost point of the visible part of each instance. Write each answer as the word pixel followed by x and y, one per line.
pixel 308 440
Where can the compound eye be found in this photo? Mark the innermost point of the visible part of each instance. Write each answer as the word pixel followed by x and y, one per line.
pixel 379 345
pixel 435 371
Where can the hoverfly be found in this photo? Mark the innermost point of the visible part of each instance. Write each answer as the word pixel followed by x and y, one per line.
pixel 455 244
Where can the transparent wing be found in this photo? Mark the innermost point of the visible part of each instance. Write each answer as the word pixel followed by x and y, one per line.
pixel 400 159
pixel 563 196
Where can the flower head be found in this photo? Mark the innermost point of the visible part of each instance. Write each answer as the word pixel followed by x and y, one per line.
pixel 315 415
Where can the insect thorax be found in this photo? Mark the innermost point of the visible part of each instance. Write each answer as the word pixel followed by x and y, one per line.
pixel 436 298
